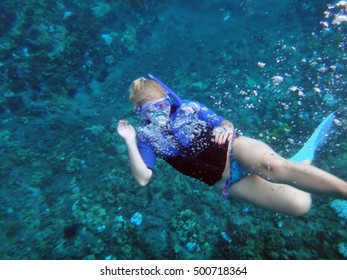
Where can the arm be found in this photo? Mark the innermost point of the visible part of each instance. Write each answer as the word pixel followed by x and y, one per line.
pixel 139 169
pixel 223 129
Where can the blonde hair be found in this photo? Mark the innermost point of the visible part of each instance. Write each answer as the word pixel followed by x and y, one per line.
pixel 143 90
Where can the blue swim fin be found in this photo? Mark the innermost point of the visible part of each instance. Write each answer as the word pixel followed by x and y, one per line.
pixel 318 137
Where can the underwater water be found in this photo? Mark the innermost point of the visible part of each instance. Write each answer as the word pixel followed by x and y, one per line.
pixel 274 68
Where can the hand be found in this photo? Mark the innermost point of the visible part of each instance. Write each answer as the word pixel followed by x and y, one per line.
pixel 126 130
pixel 222 134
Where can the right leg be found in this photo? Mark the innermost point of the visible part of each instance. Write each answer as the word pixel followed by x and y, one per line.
pixel 258 158
pixel 273 196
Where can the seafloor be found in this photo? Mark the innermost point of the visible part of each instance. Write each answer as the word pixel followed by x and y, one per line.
pixel 274 68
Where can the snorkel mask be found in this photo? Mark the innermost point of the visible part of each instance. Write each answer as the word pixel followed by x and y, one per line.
pixel 158 113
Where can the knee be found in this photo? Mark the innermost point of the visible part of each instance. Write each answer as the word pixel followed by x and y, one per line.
pixel 301 205
pixel 273 169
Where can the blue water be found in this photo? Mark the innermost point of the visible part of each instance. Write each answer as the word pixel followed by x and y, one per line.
pixel 274 68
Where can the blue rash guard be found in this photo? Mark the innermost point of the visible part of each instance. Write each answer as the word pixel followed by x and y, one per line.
pixel 186 142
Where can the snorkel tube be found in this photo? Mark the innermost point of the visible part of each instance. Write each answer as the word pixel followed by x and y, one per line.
pixel 170 91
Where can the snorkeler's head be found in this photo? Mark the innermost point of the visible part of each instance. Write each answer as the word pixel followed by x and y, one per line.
pixel 156 111
pixel 144 90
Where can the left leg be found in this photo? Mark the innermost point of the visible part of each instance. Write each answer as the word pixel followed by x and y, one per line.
pixel 272 196
pixel 260 159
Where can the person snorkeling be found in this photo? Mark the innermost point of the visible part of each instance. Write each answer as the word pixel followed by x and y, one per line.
pixel 201 144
